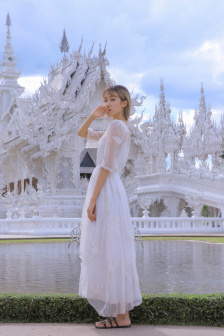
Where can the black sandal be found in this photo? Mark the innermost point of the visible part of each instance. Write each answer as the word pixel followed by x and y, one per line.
pixel 127 326
pixel 110 320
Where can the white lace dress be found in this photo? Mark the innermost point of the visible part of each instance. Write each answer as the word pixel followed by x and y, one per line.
pixel 109 278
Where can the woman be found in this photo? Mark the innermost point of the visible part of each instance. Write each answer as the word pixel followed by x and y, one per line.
pixel 109 278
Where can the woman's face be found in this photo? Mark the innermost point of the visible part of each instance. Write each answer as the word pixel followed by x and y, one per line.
pixel 115 105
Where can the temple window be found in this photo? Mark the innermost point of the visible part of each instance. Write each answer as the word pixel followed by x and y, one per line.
pixel 19 187
pixel 86 165
pixel 4 191
pixel 34 183
pixel 26 181
pixel 87 161
pixel 11 186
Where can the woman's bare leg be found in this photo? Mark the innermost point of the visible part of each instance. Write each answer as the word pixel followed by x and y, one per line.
pixel 123 319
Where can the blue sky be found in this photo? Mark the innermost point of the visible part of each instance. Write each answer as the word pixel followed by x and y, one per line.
pixel 181 41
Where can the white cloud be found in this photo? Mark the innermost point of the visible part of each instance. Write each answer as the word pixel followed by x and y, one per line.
pixel 31 84
pixel 158 7
pixel 188 118
pixel 216 115
pixel 131 80
pixel 211 52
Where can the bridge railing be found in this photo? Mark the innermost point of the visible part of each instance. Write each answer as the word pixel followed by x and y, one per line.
pixel 151 225
pixel 179 224
pixel 38 226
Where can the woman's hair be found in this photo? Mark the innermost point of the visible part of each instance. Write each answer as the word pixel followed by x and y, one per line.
pixel 123 93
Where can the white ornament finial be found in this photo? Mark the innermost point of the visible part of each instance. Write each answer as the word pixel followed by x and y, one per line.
pixel 8 20
pixel 161 85
pixel 80 47
pixel 202 89
pixel 64 46
pixel 100 52
pixel 91 50
pixel 105 48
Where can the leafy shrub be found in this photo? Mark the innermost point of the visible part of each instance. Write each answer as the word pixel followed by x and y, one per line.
pixel 175 309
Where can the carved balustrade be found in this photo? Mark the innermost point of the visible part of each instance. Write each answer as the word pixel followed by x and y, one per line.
pixel 179 224
pixel 146 225
pixel 38 226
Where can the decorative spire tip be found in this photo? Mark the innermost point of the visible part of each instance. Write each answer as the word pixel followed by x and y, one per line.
pixel 8 20
pixel 202 89
pixel 80 47
pixel 105 47
pixel 64 46
pixel 161 85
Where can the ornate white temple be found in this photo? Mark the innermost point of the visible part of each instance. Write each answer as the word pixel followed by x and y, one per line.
pixel 45 166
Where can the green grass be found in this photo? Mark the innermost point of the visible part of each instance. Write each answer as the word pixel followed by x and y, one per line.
pixel 34 240
pixel 62 240
pixel 201 238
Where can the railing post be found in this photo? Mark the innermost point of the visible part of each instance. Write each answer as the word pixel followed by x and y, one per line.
pixel 221 209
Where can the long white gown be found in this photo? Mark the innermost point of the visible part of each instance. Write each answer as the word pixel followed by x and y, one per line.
pixel 109 278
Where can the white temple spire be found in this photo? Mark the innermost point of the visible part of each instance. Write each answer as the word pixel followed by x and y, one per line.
pixel 8 47
pixel 64 46
pixel 204 138
pixel 202 89
pixel 163 105
pixel 161 85
pixel 163 140
pixel 80 47
pixel 9 74
pixel 105 48
pixel 100 51
pixel 91 50
pixel 8 20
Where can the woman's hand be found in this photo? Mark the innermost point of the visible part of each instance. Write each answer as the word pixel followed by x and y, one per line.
pixel 91 210
pixel 100 111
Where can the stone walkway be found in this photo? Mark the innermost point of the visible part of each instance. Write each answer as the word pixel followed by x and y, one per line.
pixel 44 329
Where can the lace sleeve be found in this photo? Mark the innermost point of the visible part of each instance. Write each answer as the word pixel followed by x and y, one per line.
pixel 114 139
pixel 93 137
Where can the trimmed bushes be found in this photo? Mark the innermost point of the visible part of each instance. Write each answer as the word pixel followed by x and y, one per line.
pixel 173 309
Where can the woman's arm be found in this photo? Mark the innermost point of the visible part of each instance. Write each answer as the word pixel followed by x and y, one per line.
pixel 99 183
pixel 84 128
pixel 115 136
pixel 97 113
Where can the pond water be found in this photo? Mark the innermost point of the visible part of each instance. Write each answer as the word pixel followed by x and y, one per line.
pixel 163 267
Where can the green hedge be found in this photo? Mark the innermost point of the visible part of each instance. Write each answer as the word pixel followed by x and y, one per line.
pixel 175 309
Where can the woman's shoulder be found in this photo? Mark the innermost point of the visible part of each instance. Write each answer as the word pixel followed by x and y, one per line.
pixel 117 123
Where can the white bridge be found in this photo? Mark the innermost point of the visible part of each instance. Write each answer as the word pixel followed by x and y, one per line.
pixel 151 225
